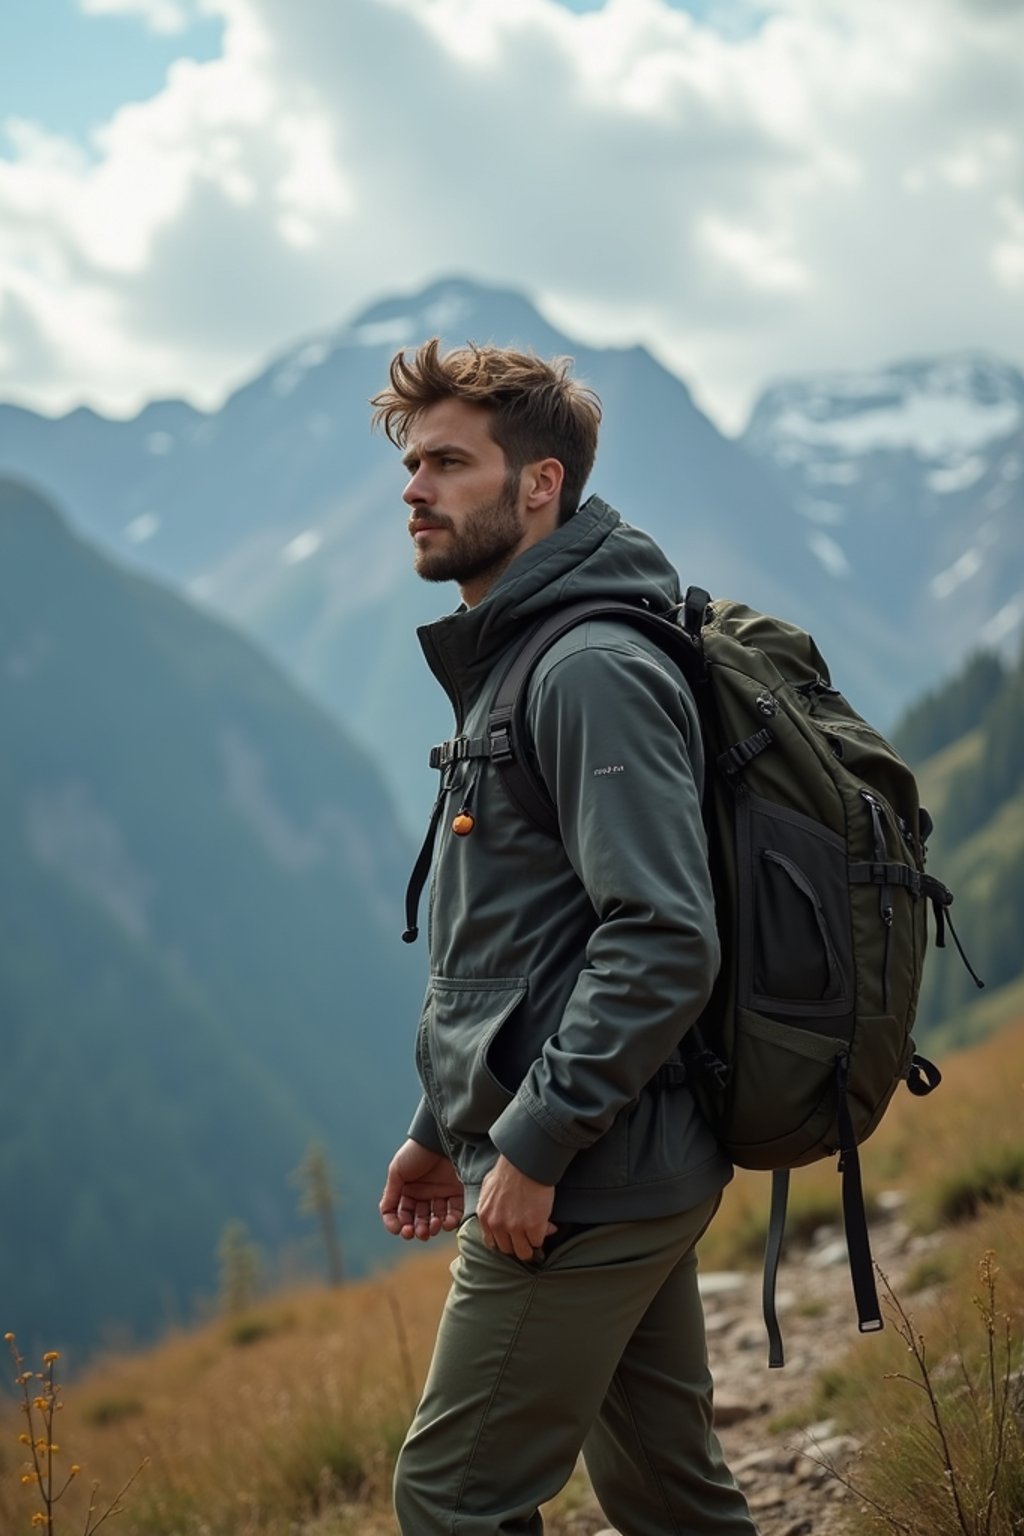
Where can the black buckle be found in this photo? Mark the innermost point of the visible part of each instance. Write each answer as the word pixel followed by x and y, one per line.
pixel 500 735
pixel 449 752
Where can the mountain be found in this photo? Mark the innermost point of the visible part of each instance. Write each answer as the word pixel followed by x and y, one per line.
pixel 881 511
pixel 972 782
pixel 910 481
pixel 200 964
pixel 283 513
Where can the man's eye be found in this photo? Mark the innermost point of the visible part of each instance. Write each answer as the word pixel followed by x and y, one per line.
pixel 446 461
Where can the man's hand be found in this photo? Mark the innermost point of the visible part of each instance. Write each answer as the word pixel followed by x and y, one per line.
pixel 514 1211
pixel 423 1194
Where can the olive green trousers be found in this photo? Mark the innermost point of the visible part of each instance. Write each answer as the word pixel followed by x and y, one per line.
pixel 598 1347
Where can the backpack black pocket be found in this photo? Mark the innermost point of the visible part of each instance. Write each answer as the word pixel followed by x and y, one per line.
pixel 793 922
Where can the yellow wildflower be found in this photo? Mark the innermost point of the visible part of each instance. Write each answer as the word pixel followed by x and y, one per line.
pixel 41 1403
pixel 27 1477
pixel 50 1356
pixel 24 1439
pixel 8 1338
pixel 75 1469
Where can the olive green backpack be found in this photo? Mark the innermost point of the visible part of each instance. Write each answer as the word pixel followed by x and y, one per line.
pixel 817 852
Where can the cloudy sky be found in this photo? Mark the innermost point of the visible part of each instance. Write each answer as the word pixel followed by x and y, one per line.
pixel 749 187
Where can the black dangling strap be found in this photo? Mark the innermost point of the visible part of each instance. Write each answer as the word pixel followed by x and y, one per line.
pixel 858 1244
pixel 772 1255
pixel 923 1076
pixel 420 871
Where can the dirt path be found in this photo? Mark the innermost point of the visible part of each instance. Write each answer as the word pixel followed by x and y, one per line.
pixel 789 1493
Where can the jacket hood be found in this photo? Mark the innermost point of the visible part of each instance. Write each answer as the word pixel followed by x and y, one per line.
pixel 594 554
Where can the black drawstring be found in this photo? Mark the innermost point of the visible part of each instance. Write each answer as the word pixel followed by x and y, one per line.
pixel 420 871
pixel 960 951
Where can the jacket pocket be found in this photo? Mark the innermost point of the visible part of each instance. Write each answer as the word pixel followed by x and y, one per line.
pixel 462 1021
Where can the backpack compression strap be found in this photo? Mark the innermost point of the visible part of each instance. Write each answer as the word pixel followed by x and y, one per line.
pixel 855 1222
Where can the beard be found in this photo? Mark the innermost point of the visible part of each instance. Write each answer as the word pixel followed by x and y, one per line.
pixel 487 543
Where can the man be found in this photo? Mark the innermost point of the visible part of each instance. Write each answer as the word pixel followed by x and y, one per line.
pixel 564 973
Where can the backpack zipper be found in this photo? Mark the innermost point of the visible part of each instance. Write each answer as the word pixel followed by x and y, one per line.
pixel 884 898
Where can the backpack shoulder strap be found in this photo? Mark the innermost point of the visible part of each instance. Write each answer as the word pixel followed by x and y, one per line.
pixel 508 736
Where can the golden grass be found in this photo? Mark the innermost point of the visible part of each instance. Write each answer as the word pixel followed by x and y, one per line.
pixel 939 1397
pixel 295 1428
pixel 286 1421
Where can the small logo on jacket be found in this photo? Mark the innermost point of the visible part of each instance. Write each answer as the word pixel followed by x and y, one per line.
pixel 600 773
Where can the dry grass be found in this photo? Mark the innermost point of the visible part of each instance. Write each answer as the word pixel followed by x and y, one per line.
pixel 941 1399
pixel 295 1425
pixel 285 1421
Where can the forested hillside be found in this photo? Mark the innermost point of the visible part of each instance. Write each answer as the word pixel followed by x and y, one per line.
pixel 200 964
pixel 967 742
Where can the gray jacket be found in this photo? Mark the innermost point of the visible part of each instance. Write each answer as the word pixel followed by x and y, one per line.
pixel 564 973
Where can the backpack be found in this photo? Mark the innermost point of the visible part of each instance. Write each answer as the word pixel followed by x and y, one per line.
pixel 817 855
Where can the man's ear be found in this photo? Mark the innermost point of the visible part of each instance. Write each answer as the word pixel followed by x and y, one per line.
pixel 542 482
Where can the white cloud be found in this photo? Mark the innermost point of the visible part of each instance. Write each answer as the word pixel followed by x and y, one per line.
pixel 165 16
pixel 835 189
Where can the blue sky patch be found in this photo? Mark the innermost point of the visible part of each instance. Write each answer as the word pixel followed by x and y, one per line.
pixel 69 72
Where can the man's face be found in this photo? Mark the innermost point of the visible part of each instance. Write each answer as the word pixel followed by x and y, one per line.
pixel 465 516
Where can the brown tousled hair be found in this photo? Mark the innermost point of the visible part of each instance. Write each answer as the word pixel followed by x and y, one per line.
pixel 537 410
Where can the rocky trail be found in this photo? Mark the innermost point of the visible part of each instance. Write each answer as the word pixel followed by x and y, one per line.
pixel 790 1493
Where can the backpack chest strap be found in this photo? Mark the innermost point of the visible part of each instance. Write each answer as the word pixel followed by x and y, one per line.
pixel 459 749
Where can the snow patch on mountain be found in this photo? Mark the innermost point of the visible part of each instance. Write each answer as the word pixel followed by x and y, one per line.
pixel 826 513
pixel 142 528
pixel 295 367
pixel 928 425
pixel 1005 623
pixel 302 546
pixel 382 333
pixel 831 472
pixel 956 477
pixel 944 412
pixel 968 565
pixel 831 554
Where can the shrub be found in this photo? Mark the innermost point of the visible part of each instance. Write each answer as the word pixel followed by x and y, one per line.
pixel 955 1466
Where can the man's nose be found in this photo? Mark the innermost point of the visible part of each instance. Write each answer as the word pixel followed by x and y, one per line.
pixel 418 491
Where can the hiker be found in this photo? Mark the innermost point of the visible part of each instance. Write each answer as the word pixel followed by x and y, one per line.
pixel 564 972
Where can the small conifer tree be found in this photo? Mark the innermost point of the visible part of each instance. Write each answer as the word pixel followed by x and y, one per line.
pixel 241 1269
pixel 318 1199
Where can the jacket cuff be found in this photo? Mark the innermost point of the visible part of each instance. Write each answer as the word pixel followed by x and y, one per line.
pixel 530 1146
pixel 424 1129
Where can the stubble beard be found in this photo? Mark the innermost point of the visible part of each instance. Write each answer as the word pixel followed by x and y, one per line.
pixel 486 545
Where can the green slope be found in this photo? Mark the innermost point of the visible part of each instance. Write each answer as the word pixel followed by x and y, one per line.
pixel 200 883
pixel 973 784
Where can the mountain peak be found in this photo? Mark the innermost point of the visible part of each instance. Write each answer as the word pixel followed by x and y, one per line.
pixel 937 408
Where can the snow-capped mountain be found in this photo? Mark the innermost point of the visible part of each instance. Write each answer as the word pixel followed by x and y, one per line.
pixel 911 481
pixel 882 512
pixel 283 512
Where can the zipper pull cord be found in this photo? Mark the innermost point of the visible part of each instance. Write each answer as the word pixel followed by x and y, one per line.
pixel 960 951
pixel 421 869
